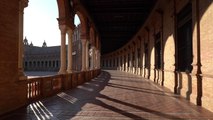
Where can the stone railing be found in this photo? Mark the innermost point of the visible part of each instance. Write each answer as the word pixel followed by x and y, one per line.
pixel 42 87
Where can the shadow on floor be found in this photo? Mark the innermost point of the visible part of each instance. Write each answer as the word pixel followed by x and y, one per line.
pixel 88 102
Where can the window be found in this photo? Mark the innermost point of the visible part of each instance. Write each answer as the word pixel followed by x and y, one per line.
pixel 42 63
pixel 57 65
pixel 34 63
pixel 158 53
pixel 184 39
pixel 30 64
pixel 38 63
pixel 49 63
pixel 53 63
pixel 46 64
pixel 26 65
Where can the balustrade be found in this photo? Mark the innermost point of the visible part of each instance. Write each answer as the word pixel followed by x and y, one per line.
pixel 42 87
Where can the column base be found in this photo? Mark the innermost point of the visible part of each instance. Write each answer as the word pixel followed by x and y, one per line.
pixel 83 70
pixel 62 72
pixel 21 75
pixel 69 71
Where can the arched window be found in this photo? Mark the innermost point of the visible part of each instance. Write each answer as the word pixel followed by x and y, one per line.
pixel 50 32
pixel 34 63
pixel 25 64
pixel 30 64
pixel 50 64
pixel 45 64
pixel 42 63
pixel 53 63
pixel 76 20
pixel 57 65
pixel 38 63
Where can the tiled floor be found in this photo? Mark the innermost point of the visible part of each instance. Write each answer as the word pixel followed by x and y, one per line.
pixel 113 95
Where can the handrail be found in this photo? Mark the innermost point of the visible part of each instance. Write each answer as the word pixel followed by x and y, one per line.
pixel 42 87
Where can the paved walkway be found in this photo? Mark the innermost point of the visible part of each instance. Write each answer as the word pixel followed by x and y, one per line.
pixel 113 95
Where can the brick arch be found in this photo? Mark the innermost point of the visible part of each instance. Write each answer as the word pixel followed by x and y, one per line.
pixel 83 23
pixel 92 35
pixel 65 13
pixel 61 8
pixel 97 41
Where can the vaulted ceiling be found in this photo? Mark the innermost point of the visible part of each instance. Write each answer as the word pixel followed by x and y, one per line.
pixel 117 21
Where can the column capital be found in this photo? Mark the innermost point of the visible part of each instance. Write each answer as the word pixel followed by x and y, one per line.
pixel 83 41
pixel 63 28
pixel 84 36
pixel 68 21
pixel 23 4
pixel 70 32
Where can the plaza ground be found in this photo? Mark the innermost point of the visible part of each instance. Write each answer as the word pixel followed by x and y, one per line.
pixel 113 95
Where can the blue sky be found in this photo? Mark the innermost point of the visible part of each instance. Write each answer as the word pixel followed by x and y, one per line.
pixel 40 22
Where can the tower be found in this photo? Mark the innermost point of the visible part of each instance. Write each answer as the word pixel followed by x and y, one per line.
pixel 44 44
pixel 26 41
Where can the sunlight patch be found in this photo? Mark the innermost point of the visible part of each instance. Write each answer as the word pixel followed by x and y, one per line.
pixel 40 111
pixel 67 97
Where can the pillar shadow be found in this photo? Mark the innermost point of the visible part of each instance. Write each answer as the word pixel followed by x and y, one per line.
pixel 140 108
pixel 180 84
pixel 71 103
pixel 189 92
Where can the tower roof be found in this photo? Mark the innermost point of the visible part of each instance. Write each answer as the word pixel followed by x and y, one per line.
pixel 26 41
pixel 44 44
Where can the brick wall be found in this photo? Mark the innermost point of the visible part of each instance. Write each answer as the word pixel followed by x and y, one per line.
pixel 206 36
pixel 185 84
pixel 12 91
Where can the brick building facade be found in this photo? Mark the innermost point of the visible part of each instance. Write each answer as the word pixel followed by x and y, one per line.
pixel 48 58
pixel 173 49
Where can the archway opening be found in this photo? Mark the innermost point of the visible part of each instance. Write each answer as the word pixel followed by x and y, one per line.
pixel 77 46
pixel 77 20
pixel 42 38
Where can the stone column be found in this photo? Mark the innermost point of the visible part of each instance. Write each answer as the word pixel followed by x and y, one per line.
pixel 127 56
pixel 92 58
pixel 69 60
pixel 130 62
pixel 87 56
pixel 22 5
pixel 63 30
pixel 119 62
pixel 123 63
pixel 99 59
pixel 83 41
pixel 136 60
pixel 143 59
pixel 95 58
